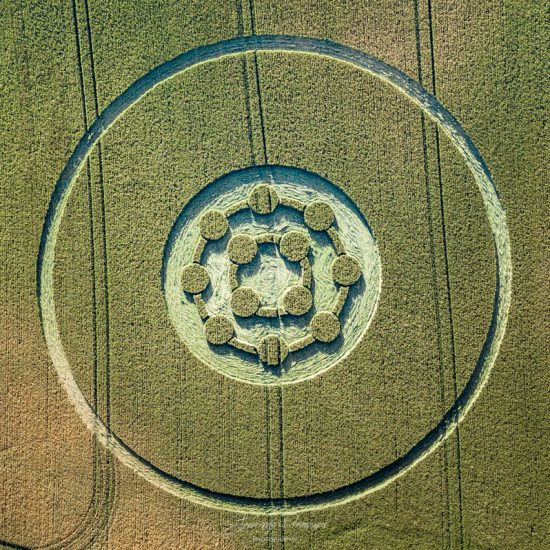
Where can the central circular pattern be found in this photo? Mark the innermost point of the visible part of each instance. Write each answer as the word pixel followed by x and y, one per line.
pixel 244 300
pixel 271 274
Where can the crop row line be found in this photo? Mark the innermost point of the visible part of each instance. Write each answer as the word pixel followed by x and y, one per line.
pixel 437 299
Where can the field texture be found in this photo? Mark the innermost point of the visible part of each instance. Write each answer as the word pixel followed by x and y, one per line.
pixel 258 305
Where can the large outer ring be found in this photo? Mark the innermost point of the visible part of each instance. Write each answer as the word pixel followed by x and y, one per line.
pixel 495 213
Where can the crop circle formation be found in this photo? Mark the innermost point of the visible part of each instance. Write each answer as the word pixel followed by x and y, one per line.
pixel 294 245
pixel 246 302
pixel 263 203
pixel 297 300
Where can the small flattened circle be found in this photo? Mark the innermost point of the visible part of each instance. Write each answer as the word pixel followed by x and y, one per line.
pixel 318 216
pixel 194 278
pixel 346 270
pixel 263 199
pixel 325 326
pixel 213 225
pixel 297 300
pixel 244 301
pixel 294 246
pixel 218 330
pixel 272 350
pixel 242 249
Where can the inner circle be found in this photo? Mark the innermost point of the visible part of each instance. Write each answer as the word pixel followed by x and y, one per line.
pixel 270 275
pixel 242 194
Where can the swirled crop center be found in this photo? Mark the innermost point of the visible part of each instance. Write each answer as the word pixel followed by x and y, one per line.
pixel 266 253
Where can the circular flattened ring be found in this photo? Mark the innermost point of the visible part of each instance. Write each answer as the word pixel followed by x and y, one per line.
pixel 495 215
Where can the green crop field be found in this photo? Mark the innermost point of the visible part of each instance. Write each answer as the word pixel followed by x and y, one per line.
pixel 274 274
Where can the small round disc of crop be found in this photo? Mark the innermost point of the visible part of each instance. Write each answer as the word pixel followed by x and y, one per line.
pixel 263 199
pixel 245 301
pixel 272 350
pixel 242 249
pixel 297 300
pixel 194 278
pixel 325 326
pixel 294 246
pixel 219 330
pixel 318 216
pixel 214 225
pixel 346 270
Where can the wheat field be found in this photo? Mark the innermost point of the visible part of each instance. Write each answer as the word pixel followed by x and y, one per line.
pixel 273 274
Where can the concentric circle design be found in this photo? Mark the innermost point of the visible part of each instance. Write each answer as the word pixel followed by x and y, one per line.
pixel 295 245
pixel 495 214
